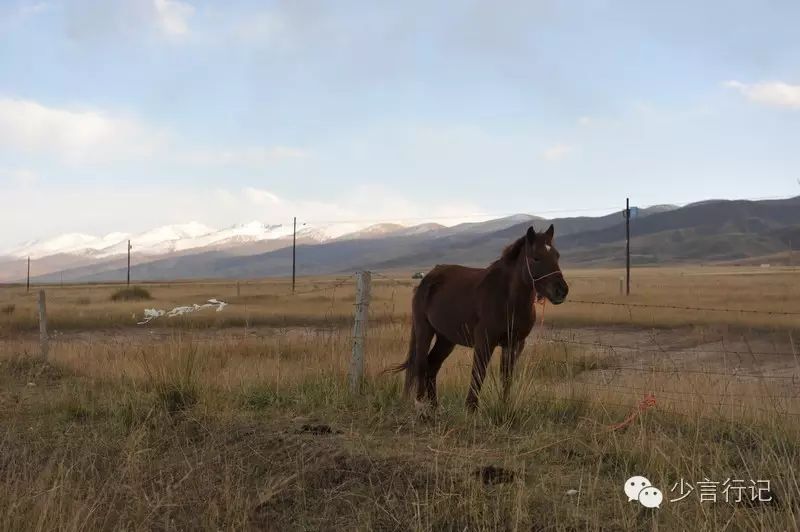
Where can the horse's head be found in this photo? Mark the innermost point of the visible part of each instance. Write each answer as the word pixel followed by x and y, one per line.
pixel 542 265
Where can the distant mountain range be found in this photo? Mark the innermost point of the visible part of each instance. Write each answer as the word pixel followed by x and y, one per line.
pixel 704 232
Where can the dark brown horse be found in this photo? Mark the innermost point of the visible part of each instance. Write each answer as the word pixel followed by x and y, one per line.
pixel 481 308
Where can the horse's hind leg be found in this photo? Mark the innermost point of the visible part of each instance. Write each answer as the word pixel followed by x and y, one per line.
pixel 440 351
pixel 424 334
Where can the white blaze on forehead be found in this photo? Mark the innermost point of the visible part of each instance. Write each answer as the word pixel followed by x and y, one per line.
pixel 548 247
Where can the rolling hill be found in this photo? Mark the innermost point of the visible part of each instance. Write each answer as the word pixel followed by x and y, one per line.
pixel 710 231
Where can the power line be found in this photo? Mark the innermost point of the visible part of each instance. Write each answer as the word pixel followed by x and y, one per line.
pixel 683 307
pixel 638 391
pixel 681 371
pixel 608 209
pixel 489 215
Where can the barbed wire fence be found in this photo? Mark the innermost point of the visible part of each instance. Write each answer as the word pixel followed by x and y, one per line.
pixel 608 372
pixel 611 371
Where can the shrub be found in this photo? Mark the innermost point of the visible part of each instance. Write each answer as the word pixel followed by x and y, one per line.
pixel 135 293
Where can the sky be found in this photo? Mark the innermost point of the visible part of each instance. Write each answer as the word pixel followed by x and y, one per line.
pixel 128 114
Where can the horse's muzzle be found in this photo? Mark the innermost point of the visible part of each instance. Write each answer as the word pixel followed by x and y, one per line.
pixel 560 292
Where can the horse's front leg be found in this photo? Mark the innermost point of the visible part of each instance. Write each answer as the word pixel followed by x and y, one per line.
pixel 481 358
pixel 507 363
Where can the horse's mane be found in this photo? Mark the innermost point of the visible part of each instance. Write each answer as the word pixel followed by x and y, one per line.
pixel 511 252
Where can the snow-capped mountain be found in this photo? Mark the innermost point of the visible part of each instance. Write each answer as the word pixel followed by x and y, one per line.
pixel 156 241
pixel 176 238
pixel 69 243
pixel 73 253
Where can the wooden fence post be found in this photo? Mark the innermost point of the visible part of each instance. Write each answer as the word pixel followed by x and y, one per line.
pixel 238 292
pixel 360 330
pixel 43 340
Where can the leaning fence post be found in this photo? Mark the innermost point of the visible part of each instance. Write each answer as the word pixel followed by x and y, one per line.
pixel 359 330
pixel 43 340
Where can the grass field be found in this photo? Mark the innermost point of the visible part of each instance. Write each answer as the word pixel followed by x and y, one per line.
pixel 242 419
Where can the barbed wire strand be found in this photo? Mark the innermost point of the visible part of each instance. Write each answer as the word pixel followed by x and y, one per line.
pixel 685 307
pixel 690 349
pixel 336 284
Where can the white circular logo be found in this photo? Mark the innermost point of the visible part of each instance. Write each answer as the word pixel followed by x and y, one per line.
pixel 634 485
pixel 651 497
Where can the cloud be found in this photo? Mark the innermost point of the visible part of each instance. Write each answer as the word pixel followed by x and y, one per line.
pixel 253 156
pixel 172 16
pixel 101 208
pixel 94 21
pixel 80 137
pixel 260 196
pixel 267 27
pixel 774 93
pixel 73 136
pixel 556 152
pixel 34 8
pixel 19 176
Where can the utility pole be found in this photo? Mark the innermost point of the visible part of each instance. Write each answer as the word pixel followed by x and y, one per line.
pixel 627 246
pixel 129 263
pixel 294 250
pixel 28 282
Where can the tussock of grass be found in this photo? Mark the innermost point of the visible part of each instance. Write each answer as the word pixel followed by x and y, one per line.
pixel 172 375
pixel 29 367
pixel 134 293
pixel 260 397
pixel 560 362
pixel 528 405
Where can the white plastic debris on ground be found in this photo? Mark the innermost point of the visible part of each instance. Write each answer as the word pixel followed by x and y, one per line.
pixel 152 313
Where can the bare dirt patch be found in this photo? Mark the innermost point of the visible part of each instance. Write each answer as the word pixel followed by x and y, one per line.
pixel 714 349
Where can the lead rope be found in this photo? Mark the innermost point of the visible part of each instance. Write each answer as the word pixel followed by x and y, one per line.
pixel 648 401
pixel 541 320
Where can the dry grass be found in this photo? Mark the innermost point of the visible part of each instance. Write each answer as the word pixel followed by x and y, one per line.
pixel 243 420
pixel 270 303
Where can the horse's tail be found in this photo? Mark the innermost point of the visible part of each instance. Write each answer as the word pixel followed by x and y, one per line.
pixel 409 364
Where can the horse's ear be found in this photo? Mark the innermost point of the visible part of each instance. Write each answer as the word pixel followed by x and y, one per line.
pixel 531 235
pixel 548 235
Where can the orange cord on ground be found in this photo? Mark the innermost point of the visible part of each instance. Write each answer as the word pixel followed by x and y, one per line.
pixel 648 401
